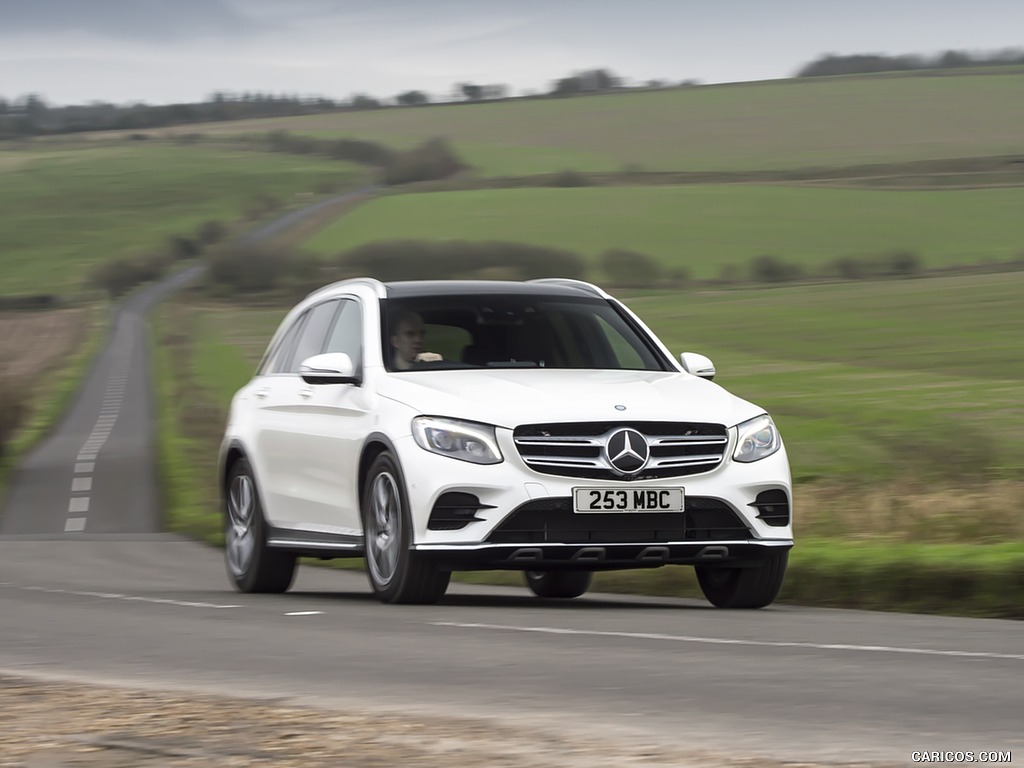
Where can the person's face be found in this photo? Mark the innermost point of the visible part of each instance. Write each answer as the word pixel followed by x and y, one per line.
pixel 408 340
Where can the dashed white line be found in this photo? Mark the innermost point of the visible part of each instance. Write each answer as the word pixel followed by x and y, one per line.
pixel 84 469
pixel 304 613
pixel 80 484
pixel 132 598
pixel 79 504
pixel 74 525
pixel 731 641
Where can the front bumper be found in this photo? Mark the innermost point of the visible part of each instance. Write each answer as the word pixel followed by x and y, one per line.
pixel 556 537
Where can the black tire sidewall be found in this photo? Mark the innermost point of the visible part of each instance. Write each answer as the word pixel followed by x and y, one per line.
pixel 268 569
pixel 386 461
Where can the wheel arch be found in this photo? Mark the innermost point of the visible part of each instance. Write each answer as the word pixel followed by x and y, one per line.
pixel 376 443
pixel 230 456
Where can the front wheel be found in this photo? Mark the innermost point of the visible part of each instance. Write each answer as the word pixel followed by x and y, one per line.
pixel 563 584
pixel 252 565
pixel 744 587
pixel 397 573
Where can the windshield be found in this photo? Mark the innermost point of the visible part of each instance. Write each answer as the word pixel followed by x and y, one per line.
pixel 511 331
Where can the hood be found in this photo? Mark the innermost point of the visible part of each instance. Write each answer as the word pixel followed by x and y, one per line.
pixel 509 397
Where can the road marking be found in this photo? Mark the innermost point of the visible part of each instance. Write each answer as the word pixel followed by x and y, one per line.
pixel 74 525
pixel 730 641
pixel 132 598
pixel 305 613
pixel 79 504
pixel 84 469
pixel 79 484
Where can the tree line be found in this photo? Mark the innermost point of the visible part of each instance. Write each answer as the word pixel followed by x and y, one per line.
pixel 32 116
pixel 870 63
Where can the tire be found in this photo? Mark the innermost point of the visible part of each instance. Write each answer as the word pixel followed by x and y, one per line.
pixel 396 572
pixel 562 584
pixel 252 565
pixel 744 587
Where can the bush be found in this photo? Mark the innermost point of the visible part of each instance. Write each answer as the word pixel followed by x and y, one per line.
pixel 211 232
pixel 119 276
pixel 772 269
pixel 184 247
pixel 853 268
pixel 433 160
pixel 352 150
pixel 261 205
pixel 31 302
pixel 901 263
pixel 569 178
pixel 424 260
pixel 630 269
pixel 237 269
pixel 12 410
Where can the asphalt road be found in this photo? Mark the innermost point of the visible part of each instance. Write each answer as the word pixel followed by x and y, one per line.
pixel 793 683
pixel 91 590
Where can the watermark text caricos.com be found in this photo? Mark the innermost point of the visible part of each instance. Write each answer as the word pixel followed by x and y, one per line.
pixel 957 756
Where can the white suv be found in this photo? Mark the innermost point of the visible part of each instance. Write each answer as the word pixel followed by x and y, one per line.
pixel 434 426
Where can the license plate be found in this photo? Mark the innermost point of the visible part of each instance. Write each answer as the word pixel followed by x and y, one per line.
pixel 587 500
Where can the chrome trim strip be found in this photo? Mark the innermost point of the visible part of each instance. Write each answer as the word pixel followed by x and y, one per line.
pixel 574 440
pixel 311 544
pixel 687 440
pixel 675 461
pixel 545 544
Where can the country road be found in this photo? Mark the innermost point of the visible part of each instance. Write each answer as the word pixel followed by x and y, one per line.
pixel 96 471
pixel 92 591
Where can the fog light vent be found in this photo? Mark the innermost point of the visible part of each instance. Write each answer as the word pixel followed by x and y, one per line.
pixel 772 507
pixel 454 511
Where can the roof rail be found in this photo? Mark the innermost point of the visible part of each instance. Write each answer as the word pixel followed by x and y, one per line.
pixel 372 282
pixel 571 283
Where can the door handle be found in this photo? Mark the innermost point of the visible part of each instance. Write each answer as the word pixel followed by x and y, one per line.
pixel 261 393
pixel 305 394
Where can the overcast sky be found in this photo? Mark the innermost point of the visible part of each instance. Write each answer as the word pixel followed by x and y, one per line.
pixel 161 51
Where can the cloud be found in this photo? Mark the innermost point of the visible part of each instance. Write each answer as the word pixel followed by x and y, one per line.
pixel 140 20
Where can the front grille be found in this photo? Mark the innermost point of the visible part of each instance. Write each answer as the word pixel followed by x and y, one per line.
pixel 578 449
pixel 553 521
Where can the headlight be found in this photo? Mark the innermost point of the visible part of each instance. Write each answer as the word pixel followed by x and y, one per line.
pixel 462 440
pixel 757 439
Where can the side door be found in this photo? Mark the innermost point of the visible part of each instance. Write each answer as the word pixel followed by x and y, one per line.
pixel 283 424
pixel 337 419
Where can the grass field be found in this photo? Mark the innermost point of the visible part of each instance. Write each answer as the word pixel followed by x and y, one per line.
pixel 880 392
pixel 768 125
pixel 704 227
pixel 867 536
pixel 903 381
pixel 66 209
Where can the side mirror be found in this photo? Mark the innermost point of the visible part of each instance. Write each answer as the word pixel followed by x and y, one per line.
pixel 698 365
pixel 330 368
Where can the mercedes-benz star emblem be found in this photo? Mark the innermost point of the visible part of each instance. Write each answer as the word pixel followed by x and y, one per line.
pixel 627 451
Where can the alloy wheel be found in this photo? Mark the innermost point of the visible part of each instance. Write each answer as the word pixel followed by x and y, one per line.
pixel 384 525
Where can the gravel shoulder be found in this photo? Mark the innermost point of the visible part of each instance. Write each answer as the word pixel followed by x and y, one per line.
pixel 59 725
